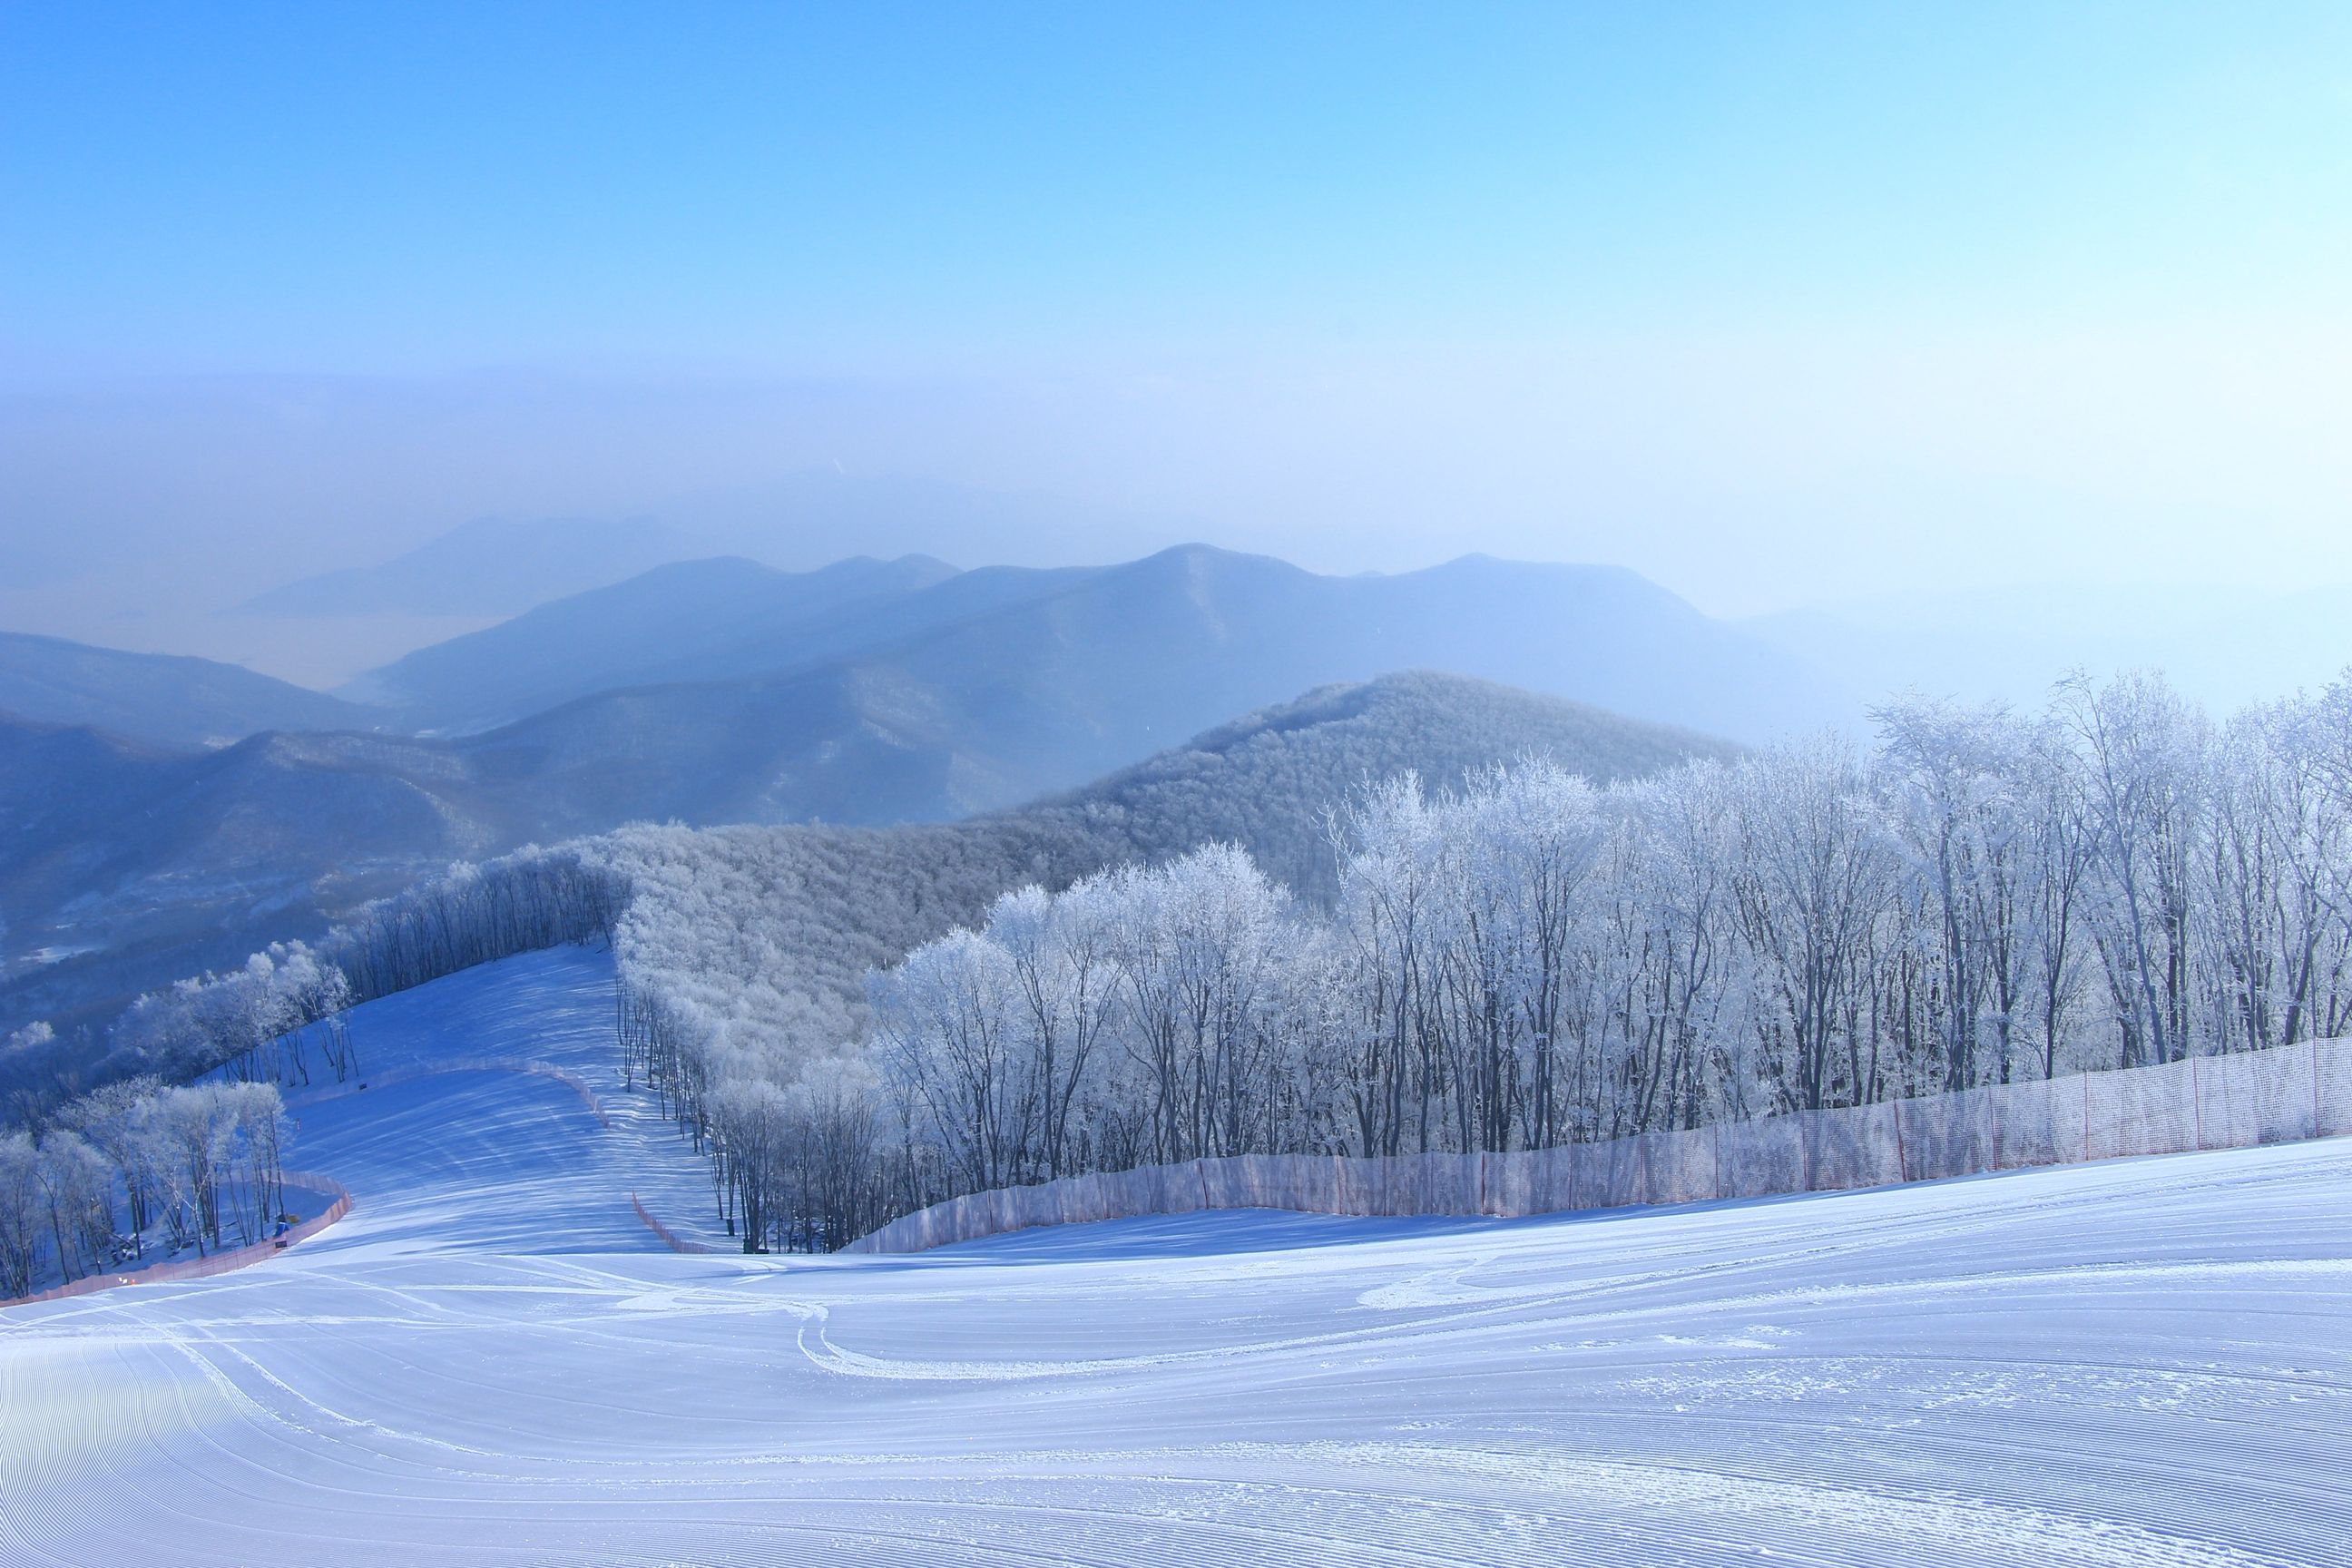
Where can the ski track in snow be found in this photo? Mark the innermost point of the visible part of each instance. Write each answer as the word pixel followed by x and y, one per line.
pixel 2144 1364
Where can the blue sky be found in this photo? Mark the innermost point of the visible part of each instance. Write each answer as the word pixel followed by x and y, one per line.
pixel 352 188
pixel 1765 300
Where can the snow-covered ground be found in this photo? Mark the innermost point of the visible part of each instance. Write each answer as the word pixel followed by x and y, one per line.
pixel 2143 1363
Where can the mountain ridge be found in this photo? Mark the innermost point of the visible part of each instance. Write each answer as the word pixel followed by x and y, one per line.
pixel 1206 632
pixel 172 699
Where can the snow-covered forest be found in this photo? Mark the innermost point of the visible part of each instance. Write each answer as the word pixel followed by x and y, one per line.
pixel 278 1017
pixel 135 1164
pixel 1529 959
pixel 852 1023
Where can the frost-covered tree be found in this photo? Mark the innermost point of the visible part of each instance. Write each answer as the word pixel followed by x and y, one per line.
pixel 1521 960
pixel 23 1213
pixel 78 1188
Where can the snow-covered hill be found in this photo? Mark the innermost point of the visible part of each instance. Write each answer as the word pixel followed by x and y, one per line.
pixel 492 1361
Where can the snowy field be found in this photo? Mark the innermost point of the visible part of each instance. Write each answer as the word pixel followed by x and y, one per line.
pixel 491 1362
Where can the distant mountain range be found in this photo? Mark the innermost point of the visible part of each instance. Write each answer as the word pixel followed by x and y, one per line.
pixel 501 567
pixel 489 567
pixel 1076 670
pixel 693 620
pixel 1035 678
pixel 161 698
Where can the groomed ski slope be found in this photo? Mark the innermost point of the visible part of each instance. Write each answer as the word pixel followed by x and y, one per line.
pixel 2141 1362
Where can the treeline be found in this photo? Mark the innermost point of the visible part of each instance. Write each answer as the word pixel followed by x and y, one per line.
pixel 740 969
pixel 1531 960
pixel 279 1017
pixel 743 950
pixel 194 1166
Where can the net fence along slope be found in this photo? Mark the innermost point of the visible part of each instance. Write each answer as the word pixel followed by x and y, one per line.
pixel 2276 1096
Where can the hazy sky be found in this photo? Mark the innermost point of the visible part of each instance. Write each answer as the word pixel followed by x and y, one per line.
pixel 1773 302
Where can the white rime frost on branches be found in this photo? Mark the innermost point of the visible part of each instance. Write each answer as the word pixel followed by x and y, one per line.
pixel 853 1024
pixel 1527 960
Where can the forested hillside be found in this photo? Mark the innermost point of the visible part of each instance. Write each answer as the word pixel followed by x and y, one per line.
pixel 127 865
pixel 1267 782
pixel 818 904
pixel 778 926
pixel 135 865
